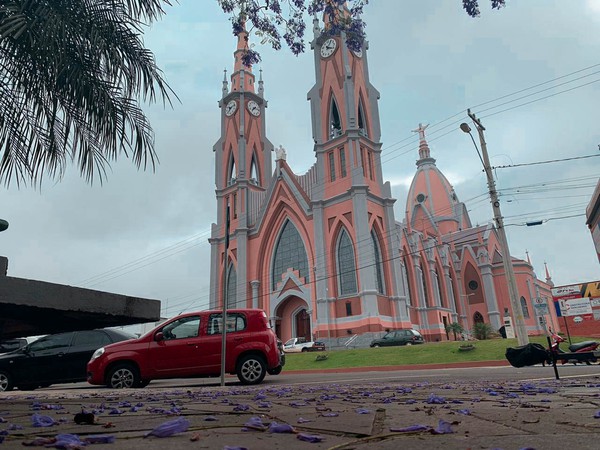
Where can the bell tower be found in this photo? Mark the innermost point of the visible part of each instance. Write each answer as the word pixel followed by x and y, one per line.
pixel 354 206
pixel 242 168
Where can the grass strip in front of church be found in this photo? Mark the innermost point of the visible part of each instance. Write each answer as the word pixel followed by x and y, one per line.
pixel 428 353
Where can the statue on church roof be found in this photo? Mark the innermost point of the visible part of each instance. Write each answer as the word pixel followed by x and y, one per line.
pixel 421 130
pixel 280 153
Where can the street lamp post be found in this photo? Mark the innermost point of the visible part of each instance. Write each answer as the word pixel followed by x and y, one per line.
pixel 520 329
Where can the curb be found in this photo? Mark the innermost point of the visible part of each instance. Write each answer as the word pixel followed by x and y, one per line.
pixel 454 365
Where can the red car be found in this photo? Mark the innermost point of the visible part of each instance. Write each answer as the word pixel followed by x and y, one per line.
pixel 189 345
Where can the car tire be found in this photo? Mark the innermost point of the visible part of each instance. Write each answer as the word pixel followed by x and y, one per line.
pixel 408 343
pixel 27 387
pixel 6 383
pixel 305 349
pixel 276 371
pixel 376 345
pixel 251 369
pixel 123 376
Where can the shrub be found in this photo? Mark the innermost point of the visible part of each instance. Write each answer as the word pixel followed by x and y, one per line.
pixel 482 330
pixel 455 328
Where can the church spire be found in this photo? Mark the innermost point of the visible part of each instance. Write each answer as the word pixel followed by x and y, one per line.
pixel 242 78
pixel 548 277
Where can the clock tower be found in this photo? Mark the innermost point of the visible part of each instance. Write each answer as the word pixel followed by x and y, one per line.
pixel 353 210
pixel 242 168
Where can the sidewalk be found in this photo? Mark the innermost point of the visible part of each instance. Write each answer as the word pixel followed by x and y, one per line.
pixel 511 415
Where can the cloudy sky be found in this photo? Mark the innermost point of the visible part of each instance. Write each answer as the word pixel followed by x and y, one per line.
pixel 145 234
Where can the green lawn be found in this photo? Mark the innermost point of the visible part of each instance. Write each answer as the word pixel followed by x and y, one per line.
pixel 438 352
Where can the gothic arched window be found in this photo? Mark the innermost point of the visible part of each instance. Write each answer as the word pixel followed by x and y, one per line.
pixel 406 281
pixel 362 124
pixel 254 171
pixel 346 265
pixel 425 296
pixel 443 302
pixel 335 123
pixel 231 284
pixel 232 171
pixel 525 308
pixel 289 254
pixel 378 262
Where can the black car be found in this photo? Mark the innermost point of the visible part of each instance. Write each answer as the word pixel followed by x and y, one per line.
pixel 399 337
pixel 56 358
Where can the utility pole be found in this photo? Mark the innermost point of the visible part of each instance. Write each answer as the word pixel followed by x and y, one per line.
pixel 513 293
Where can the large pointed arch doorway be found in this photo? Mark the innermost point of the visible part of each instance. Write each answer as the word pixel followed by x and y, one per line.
pixel 293 319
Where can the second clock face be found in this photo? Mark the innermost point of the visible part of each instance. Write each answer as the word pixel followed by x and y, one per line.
pixel 328 47
pixel 254 108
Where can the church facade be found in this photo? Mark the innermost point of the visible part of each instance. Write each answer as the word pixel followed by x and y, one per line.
pixel 322 252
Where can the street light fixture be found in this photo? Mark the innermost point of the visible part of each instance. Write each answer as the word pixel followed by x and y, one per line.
pixel 513 294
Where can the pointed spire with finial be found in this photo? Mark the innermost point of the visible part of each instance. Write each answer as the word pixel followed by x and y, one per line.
pixel 225 84
pixel 242 78
pixel 548 277
pixel 528 260
pixel 261 87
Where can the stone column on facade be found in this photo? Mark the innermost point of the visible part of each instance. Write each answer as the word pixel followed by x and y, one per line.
pixel 443 252
pixel 487 278
pixel 255 284
pixel 429 246
pixel 364 252
pixel 319 272
pixel 419 302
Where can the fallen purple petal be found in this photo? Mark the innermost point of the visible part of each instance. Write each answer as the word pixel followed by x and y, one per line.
pixel 170 428
pixel 312 438
pixel 67 441
pixel 241 408
pixel 302 420
pixel 363 411
pixel 443 427
pixel 597 415
pixel 464 412
pixel 255 423
pixel 38 420
pixel 434 399
pixel 330 414
pixel 280 428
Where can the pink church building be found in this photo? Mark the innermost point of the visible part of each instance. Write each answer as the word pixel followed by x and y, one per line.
pixel 323 253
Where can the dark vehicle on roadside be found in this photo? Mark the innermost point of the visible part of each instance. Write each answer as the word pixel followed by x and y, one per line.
pixel 52 359
pixel 189 346
pixel 399 337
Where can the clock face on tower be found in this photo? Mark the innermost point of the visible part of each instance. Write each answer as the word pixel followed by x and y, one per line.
pixel 358 53
pixel 328 48
pixel 254 108
pixel 231 107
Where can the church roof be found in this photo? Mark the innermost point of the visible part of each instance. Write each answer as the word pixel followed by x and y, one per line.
pixel 432 206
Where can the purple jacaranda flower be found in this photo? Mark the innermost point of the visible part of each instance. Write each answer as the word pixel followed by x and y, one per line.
pixel 330 414
pixel 443 427
pixel 124 404
pixel 255 423
pixel 363 411
pixel 241 408
pixel 170 428
pixel 260 396
pixel 312 438
pixel 38 420
pixel 410 402
pixel 280 428
pixel 298 404
pixel 2 420
pixel 115 411
pixel 411 429
pixel 597 415
pixel 67 441
pixel 435 399
pixel 14 427
pixel 302 420
pixel 264 404
pixel 464 412
pixel 134 409
pixel 99 439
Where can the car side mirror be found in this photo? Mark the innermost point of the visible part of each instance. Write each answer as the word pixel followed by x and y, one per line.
pixel 159 336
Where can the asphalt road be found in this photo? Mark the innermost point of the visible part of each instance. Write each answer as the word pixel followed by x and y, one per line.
pixel 503 373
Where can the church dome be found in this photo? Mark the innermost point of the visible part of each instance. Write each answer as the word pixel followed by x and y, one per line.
pixel 432 206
